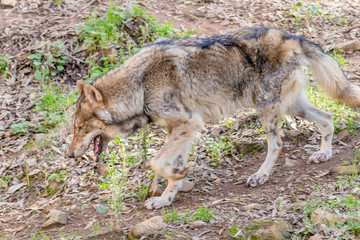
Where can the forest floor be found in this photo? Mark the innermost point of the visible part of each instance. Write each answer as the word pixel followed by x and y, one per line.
pixel 43 52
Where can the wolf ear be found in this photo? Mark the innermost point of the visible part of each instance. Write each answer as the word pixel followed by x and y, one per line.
pixel 92 94
pixel 80 85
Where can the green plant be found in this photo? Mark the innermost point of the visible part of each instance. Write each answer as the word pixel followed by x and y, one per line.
pixel 143 192
pixel 5 61
pixel 21 128
pixel 110 34
pixel 58 177
pixel 51 107
pixel 218 148
pixel 339 57
pixel 48 62
pixel 341 114
pixel 305 13
pixel 235 232
pixel 203 213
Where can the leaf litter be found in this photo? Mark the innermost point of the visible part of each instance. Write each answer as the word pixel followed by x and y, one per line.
pixel 218 174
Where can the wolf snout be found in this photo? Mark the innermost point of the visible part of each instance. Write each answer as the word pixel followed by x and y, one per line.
pixel 70 153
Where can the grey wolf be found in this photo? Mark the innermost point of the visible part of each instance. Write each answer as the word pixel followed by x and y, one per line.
pixel 182 83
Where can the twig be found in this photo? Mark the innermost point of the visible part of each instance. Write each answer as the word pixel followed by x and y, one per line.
pixel 78 12
pixel 203 233
pixel 351 28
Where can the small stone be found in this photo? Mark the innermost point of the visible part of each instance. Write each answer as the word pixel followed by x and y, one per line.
pixel 289 162
pixel 55 218
pixel 54 184
pixel 346 170
pixel 217 180
pixel 187 186
pixel 252 206
pixel 343 135
pixel 148 227
pixel 321 216
pixel 215 131
pixel 315 237
pixel 244 147
pixel 349 46
pixel 276 231
pixel 197 224
pixel 293 133
pixel 8 3
pixel 299 204
pixel 103 171
pixel 356 191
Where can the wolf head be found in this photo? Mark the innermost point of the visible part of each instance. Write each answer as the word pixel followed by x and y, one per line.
pixel 93 122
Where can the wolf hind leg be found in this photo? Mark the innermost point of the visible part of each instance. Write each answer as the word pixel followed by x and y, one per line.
pixel 303 108
pixel 170 161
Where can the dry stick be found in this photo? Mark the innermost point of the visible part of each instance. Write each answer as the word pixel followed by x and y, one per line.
pixel 351 28
pixel 90 3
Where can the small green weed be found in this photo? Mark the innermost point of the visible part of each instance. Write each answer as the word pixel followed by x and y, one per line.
pixel 339 57
pixel 5 61
pixel 120 33
pixel 341 114
pixel 51 107
pixel 218 148
pixel 203 213
pixel 48 62
pixel 58 177
pixel 235 232
pixel 305 13
pixel 142 192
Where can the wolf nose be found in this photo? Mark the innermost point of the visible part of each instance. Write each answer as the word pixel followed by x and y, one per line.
pixel 70 154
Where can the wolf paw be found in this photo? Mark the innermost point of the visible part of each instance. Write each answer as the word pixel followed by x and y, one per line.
pixel 156 202
pixel 255 180
pixel 319 157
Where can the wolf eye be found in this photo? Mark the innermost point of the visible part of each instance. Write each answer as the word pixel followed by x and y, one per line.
pixel 81 128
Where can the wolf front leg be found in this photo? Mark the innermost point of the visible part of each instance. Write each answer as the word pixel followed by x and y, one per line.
pixel 170 161
pixel 270 119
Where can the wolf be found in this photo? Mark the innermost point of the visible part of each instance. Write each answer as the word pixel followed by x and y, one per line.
pixel 182 83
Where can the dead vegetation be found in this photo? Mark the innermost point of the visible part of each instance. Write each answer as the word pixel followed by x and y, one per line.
pixel 45 46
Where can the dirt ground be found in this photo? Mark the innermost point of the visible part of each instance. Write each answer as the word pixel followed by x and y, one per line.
pixel 221 187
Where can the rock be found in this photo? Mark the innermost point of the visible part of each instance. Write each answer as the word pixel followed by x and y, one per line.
pixel 349 46
pixel 54 184
pixel 276 231
pixel 244 147
pixel 342 135
pixel 346 170
pixel 187 186
pixel 321 216
pixel 197 224
pixel 315 237
pixel 215 131
pixel 55 218
pixel 299 204
pixel 148 227
pixel 293 133
pixel 102 171
pixel 289 162
pixel 8 3
pixel 252 206
pixel 356 191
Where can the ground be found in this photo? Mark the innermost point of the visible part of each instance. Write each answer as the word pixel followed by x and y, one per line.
pixel 29 164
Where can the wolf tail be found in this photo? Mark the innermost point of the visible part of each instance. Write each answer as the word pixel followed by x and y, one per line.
pixel 329 76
